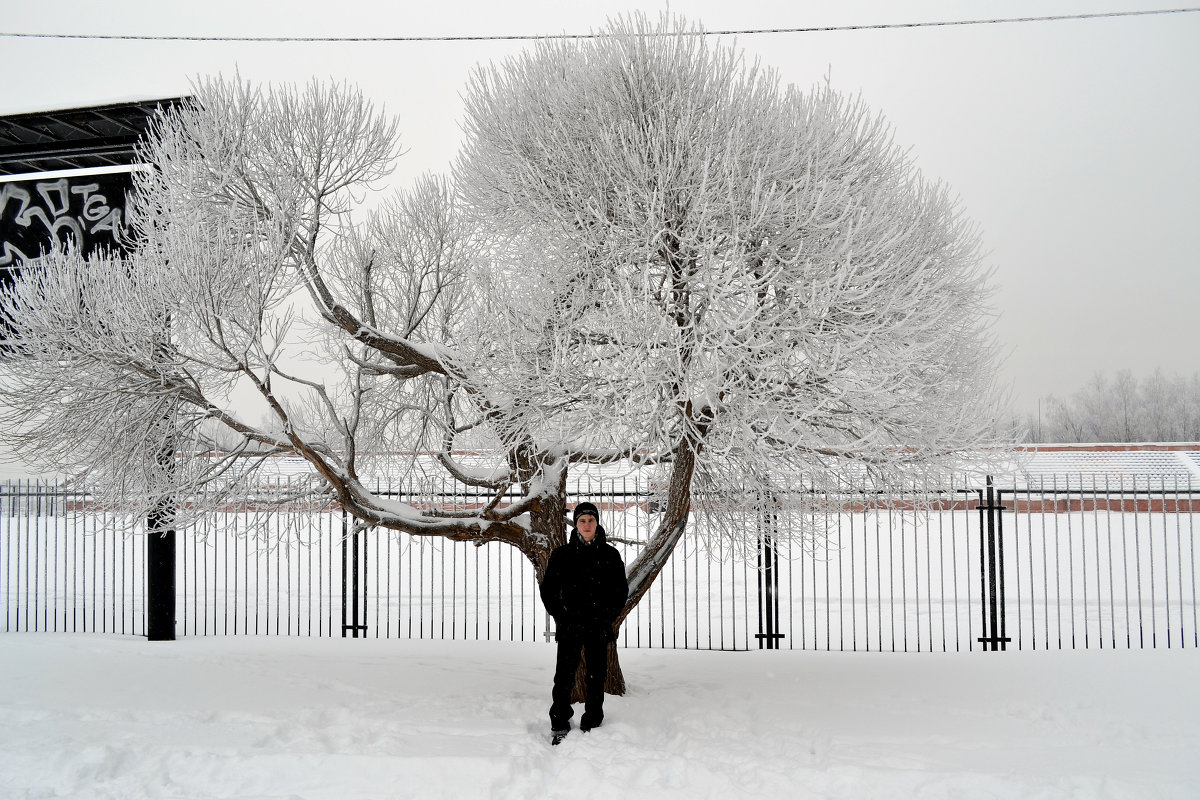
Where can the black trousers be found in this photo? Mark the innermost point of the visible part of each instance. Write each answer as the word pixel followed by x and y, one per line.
pixel 595 648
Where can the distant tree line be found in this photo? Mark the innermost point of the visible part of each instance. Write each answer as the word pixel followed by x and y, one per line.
pixel 1159 408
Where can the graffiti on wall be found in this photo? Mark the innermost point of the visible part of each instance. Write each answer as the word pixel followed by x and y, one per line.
pixel 86 212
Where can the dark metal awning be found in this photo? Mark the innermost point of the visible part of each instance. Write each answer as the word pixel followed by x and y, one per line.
pixel 97 136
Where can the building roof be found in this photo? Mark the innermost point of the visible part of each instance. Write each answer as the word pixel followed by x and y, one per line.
pixel 97 136
pixel 1165 467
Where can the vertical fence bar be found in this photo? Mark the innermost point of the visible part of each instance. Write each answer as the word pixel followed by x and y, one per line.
pixel 1166 578
pixel 9 510
pixel 44 577
pixel 879 576
pixel 708 569
pixel 5 516
pixel 1108 529
pixel 25 550
pixel 1192 555
pixel 229 583
pixel 1125 590
pixel 1030 520
pixel 35 518
pixel 345 581
pixel 1017 560
pixel 82 567
pixel 1099 584
pixel 998 516
pixel 1178 558
pixel 1058 593
pixel 387 621
pixel 1073 502
pixel 1137 550
pixel 1099 556
pixel 983 593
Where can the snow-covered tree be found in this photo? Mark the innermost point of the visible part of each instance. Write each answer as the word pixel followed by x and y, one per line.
pixel 650 252
pixel 1156 409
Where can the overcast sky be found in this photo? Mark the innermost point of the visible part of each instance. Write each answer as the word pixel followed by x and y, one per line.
pixel 1074 145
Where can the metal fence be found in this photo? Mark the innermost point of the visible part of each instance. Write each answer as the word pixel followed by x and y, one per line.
pixel 1091 563
pixel 64 563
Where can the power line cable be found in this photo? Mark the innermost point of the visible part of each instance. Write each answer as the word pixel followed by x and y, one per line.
pixel 534 36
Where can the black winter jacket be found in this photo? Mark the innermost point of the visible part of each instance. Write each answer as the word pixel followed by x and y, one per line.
pixel 585 588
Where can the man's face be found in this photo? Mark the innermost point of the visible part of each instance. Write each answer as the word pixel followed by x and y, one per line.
pixel 586 526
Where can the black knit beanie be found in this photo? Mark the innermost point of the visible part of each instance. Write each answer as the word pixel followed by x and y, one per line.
pixel 585 508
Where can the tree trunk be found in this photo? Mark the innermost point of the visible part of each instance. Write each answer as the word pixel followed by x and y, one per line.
pixel 613 684
pixel 647 567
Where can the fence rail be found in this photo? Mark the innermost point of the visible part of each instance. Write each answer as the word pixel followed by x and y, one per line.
pixel 1093 563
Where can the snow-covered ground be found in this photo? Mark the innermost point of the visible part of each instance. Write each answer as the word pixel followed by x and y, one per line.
pixel 92 716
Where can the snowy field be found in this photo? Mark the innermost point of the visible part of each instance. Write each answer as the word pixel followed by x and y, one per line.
pixel 99 716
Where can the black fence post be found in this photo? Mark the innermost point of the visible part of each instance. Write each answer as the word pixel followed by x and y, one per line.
pixel 160 551
pixel 991 569
pixel 160 573
pixel 768 575
pixel 353 579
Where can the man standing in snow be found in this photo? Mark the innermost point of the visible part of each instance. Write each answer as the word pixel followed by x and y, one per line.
pixel 584 589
